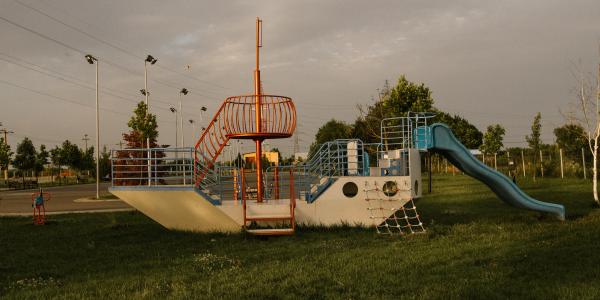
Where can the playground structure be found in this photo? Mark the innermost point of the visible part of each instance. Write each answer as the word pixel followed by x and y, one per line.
pixel 38 203
pixel 189 189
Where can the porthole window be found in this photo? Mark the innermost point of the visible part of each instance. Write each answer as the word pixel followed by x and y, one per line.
pixel 350 189
pixel 390 188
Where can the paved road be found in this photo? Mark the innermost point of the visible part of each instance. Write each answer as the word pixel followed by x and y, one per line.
pixel 62 199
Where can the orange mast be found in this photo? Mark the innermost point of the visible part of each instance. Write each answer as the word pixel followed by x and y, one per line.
pixel 258 109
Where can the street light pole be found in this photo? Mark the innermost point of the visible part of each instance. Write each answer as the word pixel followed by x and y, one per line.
pixel 92 60
pixel 151 60
pixel 173 110
pixel 183 92
pixel 193 129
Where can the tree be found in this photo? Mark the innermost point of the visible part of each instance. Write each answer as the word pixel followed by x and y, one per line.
pixel 464 131
pixel 534 139
pixel 25 157
pixel 57 159
pixel 5 156
pixel 588 116
pixel 104 163
pixel 492 139
pixel 41 160
pixel 132 164
pixel 143 124
pixel 71 155
pixel 405 96
pixel 571 138
pixel 87 162
pixel 330 131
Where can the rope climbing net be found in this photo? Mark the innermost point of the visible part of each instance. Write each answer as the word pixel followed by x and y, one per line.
pixel 396 215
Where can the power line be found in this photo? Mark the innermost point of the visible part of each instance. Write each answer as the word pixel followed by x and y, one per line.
pixel 81 51
pixel 58 98
pixel 109 44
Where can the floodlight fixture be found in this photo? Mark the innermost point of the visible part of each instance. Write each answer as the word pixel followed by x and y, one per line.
pixel 184 91
pixel 173 109
pixel 151 59
pixel 90 59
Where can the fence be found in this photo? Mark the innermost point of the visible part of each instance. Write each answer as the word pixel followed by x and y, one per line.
pixel 550 162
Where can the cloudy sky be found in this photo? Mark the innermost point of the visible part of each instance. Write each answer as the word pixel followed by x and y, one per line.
pixel 489 61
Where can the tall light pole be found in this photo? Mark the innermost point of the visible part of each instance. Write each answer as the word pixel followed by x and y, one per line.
pixel 151 60
pixel 193 129
pixel 183 92
pixel 92 60
pixel 202 110
pixel 174 110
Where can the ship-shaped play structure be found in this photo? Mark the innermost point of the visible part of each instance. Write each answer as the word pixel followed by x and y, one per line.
pixel 343 182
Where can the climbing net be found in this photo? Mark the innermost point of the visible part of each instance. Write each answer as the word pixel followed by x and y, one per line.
pixel 397 216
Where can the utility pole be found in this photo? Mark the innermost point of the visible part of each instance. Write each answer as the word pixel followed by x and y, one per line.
pixel 85 139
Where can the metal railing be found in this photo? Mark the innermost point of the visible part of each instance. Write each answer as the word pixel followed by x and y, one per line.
pixel 168 166
pixel 343 157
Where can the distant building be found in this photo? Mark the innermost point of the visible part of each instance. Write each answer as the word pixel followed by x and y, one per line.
pixel 272 158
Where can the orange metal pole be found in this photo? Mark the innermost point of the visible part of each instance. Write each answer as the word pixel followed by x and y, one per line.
pixel 258 118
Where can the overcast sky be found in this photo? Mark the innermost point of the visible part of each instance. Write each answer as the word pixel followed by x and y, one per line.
pixel 489 61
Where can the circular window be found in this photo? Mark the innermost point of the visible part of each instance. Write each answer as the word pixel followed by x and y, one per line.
pixel 350 189
pixel 416 187
pixel 390 188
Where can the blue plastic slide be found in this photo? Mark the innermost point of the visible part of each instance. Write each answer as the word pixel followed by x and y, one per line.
pixel 444 142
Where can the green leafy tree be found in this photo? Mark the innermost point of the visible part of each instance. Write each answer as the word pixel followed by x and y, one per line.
pixel 493 139
pixel 330 131
pixel 571 138
pixel 57 159
pixel 394 101
pixel 87 163
pixel 534 140
pixel 71 155
pixel 41 160
pixel 464 131
pixel 143 124
pixel 5 156
pixel 25 157
pixel 104 163
pixel 131 163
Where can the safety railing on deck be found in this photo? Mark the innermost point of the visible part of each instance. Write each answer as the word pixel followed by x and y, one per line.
pixel 168 166
pixel 343 157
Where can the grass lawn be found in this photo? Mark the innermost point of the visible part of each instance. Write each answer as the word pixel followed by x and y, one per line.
pixel 475 247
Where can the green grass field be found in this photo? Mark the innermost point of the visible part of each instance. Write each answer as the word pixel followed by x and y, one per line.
pixel 475 247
